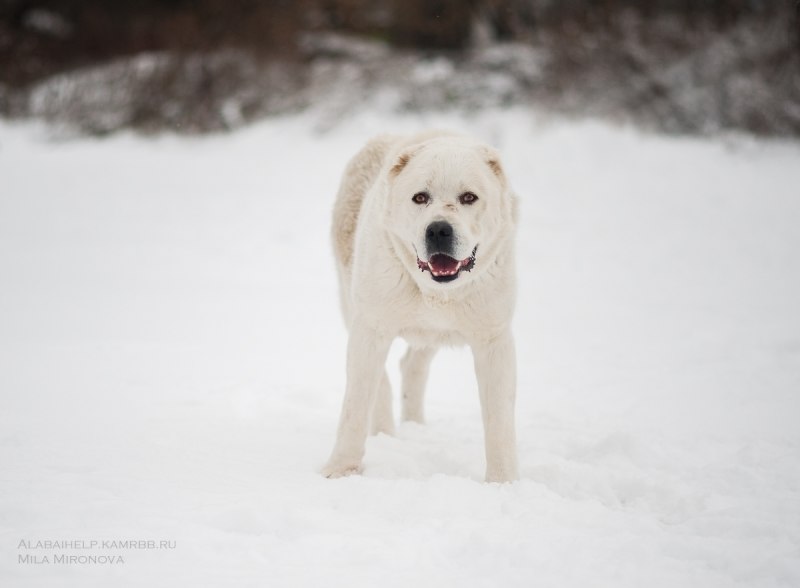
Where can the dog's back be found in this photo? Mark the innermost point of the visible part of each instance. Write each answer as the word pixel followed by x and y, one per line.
pixel 359 176
pixel 361 172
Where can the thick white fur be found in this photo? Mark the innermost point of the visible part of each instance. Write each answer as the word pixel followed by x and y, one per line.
pixel 378 233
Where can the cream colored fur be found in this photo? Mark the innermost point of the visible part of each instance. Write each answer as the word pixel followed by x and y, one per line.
pixel 378 235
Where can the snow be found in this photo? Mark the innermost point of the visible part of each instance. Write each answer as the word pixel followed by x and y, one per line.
pixel 173 366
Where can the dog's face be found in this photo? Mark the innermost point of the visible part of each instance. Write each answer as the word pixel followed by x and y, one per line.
pixel 449 205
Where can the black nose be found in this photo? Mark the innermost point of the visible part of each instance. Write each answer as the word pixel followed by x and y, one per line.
pixel 439 238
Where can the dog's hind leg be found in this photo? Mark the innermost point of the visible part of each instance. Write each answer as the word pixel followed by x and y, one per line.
pixel 382 414
pixel 414 367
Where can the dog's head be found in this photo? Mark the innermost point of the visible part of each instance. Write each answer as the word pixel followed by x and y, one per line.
pixel 451 207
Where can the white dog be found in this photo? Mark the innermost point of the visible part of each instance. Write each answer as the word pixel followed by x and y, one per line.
pixel 423 231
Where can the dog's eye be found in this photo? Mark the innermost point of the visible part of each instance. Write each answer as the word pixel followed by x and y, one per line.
pixel 421 198
pixel 468 198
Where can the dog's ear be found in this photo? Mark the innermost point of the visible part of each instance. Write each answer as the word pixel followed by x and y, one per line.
pixel 492 159
pixel 402 160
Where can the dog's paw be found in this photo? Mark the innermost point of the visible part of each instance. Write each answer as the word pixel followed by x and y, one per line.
pixel 387 428
pixel 340 469
pixel 502 476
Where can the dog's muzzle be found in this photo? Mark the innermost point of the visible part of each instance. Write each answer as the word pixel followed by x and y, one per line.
pixel 444 268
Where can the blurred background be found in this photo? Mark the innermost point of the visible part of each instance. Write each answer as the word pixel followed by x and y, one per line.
pixel 679 66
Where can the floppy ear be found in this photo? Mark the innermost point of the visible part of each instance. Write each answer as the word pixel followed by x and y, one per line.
pixel 492 158
pixel 402 160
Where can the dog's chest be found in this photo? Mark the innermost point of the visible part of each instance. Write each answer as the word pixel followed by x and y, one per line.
pixel 433 323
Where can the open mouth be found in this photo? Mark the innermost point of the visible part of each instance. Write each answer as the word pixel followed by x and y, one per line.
pixel 444 268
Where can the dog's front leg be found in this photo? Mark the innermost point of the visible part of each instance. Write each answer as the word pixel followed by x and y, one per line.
pixel 496 370
pixel 366 358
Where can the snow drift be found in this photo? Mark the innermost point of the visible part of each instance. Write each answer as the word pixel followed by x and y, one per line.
pixel 159 383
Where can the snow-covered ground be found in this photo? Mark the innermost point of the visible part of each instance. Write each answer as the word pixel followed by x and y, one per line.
pixel 171 368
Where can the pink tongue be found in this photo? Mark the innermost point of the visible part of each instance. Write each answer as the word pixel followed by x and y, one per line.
pixel 443 263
